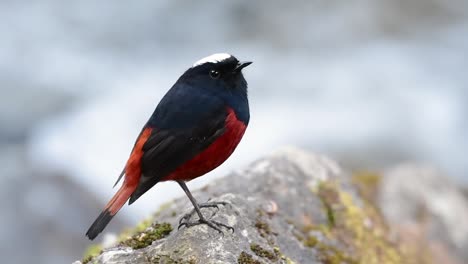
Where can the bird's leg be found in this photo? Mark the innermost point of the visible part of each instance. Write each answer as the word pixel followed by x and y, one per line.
pixel 184 221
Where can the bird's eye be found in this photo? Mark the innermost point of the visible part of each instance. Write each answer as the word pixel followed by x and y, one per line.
pixel 214 74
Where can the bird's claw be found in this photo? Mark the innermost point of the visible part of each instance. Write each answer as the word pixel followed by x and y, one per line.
pixel 184 221
pixel 203 205
pixel 211 223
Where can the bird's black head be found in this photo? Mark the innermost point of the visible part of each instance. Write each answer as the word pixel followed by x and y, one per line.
pixel 219 74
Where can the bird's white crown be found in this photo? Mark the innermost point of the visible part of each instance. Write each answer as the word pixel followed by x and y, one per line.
pixel 217 57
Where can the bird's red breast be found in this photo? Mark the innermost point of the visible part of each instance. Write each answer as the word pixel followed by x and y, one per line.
pixel 215 154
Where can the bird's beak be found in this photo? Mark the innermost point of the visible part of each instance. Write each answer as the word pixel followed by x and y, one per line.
pixel 241 65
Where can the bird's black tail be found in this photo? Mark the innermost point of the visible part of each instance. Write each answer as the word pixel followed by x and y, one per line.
pixel 110 210
pixel 99 224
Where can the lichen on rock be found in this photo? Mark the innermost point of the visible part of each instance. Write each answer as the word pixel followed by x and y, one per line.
pixel 357 233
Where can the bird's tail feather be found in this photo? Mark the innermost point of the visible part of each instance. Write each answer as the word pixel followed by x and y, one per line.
pixel 111 209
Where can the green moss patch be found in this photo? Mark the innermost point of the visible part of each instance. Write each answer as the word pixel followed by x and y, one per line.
pixel 329 199
pixel 245 258
pixel 367 184
pixel 354 232
pixel 263 253
pixel 263 228
pixel 360 230
pixel 328 253
pixel 92 251
pixel 285 259
pixel 166 259
pixel 140 227
pixel 146 237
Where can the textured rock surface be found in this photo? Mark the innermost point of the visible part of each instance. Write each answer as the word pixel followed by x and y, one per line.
pixel 419 201
pixel 290 207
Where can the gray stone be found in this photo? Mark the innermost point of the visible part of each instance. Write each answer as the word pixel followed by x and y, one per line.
pixel 282 213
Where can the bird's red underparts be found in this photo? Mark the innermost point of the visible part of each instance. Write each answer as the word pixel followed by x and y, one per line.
pixel 202 163
pixel 214 155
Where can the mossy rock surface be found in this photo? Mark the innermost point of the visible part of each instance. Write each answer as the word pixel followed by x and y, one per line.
pixel 291 207
pixel 146 237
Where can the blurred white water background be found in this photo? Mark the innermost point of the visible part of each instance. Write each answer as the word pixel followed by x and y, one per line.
pixel 370 83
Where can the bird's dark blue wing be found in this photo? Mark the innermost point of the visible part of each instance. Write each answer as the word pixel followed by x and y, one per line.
pixel 184 124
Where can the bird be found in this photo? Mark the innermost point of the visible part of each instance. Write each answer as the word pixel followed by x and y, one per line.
pixel 195 127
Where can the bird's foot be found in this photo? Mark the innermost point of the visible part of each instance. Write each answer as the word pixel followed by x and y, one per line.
pixel 211 223
pixel 189 215
pixel 184 221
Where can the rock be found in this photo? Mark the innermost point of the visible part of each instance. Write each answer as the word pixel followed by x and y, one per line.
pixel 419 201
pixel 290 207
